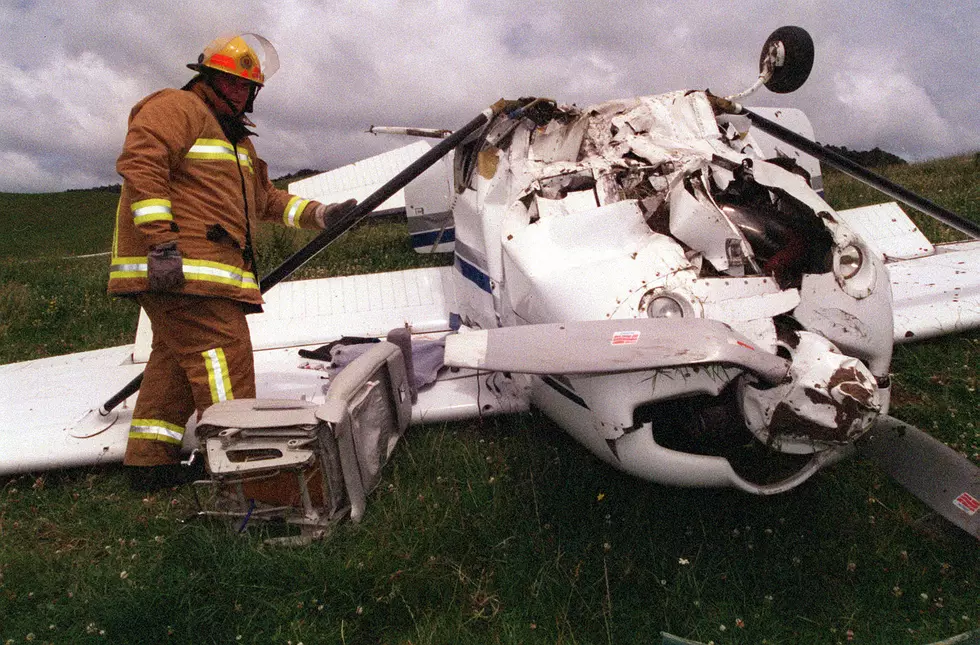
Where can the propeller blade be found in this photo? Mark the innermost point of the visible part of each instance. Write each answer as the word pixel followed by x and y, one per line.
pixel 606 346
pixel 944 480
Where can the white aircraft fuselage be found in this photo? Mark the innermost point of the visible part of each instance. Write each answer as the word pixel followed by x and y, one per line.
pixel 656 208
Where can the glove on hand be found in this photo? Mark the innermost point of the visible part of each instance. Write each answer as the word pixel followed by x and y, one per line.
pixel 333 212
pixel 165 267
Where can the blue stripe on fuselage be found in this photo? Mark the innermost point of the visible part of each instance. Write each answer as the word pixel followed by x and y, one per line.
pixel 473 274
pixel 428 238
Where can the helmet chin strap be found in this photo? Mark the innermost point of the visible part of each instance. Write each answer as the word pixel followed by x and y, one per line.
pixel 252 93
pixel 237 113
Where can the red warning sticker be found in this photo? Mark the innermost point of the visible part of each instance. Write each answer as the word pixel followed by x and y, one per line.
pixel 968 503
pixel 625 337
pixel 735 341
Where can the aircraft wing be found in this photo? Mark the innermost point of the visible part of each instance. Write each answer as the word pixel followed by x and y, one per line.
pixel 935 288
pixel 305 312
pixel 49 405
pixel 358 180
pixel 427 201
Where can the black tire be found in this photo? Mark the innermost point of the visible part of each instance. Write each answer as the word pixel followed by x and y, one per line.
pixel 799 59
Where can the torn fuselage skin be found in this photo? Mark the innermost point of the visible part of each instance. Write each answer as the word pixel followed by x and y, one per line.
pixel 658 207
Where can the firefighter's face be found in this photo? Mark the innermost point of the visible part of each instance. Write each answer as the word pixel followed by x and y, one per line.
pixel 234 88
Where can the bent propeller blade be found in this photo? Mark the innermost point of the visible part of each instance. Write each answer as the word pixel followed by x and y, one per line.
pixel 606 346
pixel 939 476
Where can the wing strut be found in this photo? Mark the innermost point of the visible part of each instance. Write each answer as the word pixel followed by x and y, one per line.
pixel 857 171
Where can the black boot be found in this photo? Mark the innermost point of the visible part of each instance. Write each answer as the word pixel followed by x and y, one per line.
pixel 150 479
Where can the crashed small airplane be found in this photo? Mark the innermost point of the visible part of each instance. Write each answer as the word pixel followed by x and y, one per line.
pixel 659 275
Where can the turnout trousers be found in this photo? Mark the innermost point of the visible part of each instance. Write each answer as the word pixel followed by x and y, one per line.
pixel 201 354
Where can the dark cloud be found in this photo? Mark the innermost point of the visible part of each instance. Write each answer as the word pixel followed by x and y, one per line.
pixel 893 75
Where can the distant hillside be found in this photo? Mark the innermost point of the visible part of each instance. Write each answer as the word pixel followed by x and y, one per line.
pixel 280 182
pixel 295 176
pixel 111 188
pixel 875 158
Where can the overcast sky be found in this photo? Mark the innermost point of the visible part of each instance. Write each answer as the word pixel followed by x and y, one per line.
pixel 895 74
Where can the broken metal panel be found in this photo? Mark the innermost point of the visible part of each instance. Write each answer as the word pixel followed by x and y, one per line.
pixel 828 399
pixel 706 229
pixel 487 161
pixel 559 142
pixel 675 127
pixel 772 176
pixel 768 147
pixel 860 327
pixel 747 304
pixel 573 203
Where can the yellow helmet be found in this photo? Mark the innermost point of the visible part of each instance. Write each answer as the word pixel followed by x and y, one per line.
pixel 248 56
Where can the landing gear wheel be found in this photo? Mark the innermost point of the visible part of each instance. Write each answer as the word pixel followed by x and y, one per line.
pixel 797 62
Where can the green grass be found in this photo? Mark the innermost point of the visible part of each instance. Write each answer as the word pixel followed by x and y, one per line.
pixel 951 183
pixel 503 531
pixel 52 225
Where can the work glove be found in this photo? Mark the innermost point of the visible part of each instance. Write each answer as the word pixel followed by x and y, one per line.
pixel 330 213
pixel 165 267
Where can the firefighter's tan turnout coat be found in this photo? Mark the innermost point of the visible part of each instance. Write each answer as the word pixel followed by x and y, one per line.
pixel 184 180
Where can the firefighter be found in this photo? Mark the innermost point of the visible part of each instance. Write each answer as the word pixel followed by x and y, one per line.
pixel 193 188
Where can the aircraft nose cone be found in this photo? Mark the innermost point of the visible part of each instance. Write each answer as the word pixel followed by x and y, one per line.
pixel 828 399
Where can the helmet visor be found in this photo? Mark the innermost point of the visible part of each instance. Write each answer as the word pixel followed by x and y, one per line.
pixel 268 58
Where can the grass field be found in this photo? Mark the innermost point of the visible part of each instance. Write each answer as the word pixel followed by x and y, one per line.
pixel 503 531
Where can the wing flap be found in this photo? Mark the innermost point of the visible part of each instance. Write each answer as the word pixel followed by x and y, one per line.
pixel 888 230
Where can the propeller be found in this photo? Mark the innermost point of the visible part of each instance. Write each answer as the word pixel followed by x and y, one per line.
pixel 606 346
pixel 943 479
